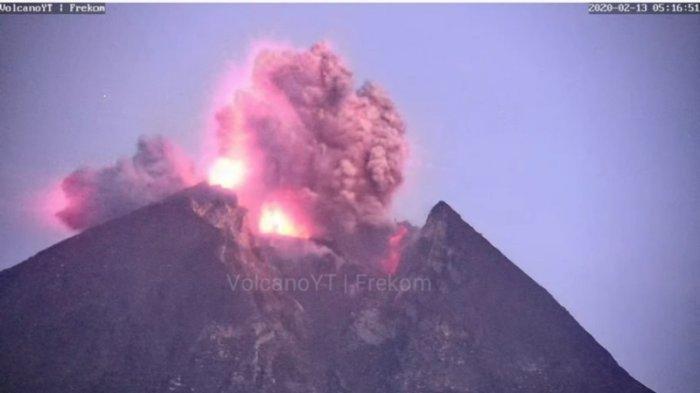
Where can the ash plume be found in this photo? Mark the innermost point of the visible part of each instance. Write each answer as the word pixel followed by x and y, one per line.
pixel 312 138
pixel 157 169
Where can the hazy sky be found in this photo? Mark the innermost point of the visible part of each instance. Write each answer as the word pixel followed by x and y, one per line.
pixel 571 141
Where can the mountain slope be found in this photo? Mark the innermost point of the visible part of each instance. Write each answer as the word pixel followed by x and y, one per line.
pixel 138 304
pixel 487 327
pixel 147 302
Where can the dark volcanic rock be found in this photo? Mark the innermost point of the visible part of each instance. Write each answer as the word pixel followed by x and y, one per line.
pixel 147 303
pixel 143 303
pixel 486 326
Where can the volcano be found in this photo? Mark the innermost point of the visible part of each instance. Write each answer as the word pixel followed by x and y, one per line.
pixel 182 296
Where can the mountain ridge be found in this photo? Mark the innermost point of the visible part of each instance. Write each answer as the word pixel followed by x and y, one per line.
pixel 145 302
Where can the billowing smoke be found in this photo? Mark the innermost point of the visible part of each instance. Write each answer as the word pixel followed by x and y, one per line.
pixel 158 169
pixel 306 151
pixel 330 153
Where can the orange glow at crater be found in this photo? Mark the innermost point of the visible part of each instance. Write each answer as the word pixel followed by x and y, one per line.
pixel 274 220
pixel 227 173
pixel 391 263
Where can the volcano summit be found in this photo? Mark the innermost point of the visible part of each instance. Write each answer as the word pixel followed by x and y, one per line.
pixel 145 303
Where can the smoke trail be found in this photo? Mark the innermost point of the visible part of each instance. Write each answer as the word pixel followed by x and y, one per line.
pixel 158 169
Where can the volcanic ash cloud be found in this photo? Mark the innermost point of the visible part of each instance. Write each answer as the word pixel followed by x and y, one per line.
pixel 330 153
pixel 157 170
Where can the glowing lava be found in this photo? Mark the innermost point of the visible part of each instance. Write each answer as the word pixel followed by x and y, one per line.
pixel 391 263
pixel 273 220
pixel 227 173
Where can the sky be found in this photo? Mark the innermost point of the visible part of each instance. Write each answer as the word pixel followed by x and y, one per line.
pixel 571 141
